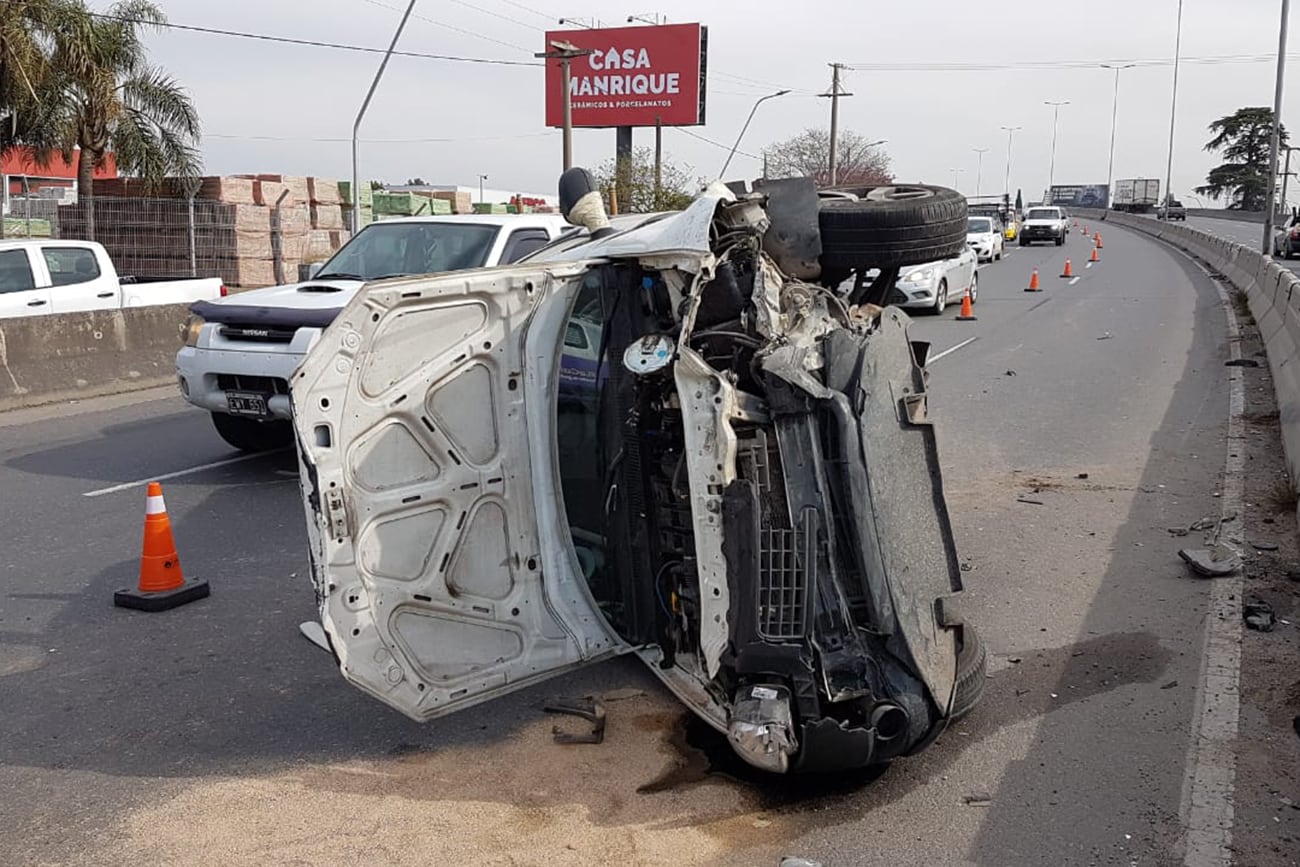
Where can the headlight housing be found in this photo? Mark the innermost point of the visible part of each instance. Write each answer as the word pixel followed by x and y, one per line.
pixel 919 276
pixel 190 330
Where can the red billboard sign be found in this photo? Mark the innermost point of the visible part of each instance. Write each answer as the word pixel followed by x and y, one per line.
pixel 632 76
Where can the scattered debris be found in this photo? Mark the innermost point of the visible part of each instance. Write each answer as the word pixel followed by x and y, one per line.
pixel 1203 562
pixel 1241 362
pixel 622 694
pixel 1178 531
pixel 977 799
pixel 1082 476
pixel 1170 685
pixel 587 708
pixel 1014 660
pixel 1264 546
pixel 1259 615
pixel 1106 336
pixel 1029 501
pixel 790 861
pixel 315 633
pixel 966 567
pixel 1011 373
pixel 1021 692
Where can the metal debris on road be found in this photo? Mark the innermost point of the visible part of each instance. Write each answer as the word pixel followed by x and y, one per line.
pixel 622 694
pixel 1106 336
pixel 1203 562
pixel 315 633
pixel 1011 373
pixel 1241 362
pixel 977 799
pixel 1082 476
pixel 1178 531
pixel 1029 501
pixel 1264 546
pixel 1170 685
pixel 790 861
pixel 1258 615
pixel 587 708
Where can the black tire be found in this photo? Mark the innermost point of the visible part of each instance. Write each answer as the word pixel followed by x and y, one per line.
pixel 1060 241
pixel 1024 243
pixel 893 226
pixel 972 666
pixel 251 435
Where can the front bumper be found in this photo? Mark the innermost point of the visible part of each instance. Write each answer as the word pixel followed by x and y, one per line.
pixel 914 295
pixel 1041 233
pixel 984 250
pixel 208 372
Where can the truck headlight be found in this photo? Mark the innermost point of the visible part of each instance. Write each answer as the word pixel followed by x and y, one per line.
pixel 190 330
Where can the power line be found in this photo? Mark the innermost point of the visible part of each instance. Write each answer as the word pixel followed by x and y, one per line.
pixel 314 43
pixel 343 140
pixel 1210 60
pixel 716 144
pixel 496 15
pixel 539 14
pixel 451 27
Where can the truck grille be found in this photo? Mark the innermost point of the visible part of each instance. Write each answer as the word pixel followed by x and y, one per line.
pixel 783 573
pixel 263 384
pixel 257 334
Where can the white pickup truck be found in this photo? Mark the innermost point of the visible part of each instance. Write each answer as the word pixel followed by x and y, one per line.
pixel 240 351
pixel 46 276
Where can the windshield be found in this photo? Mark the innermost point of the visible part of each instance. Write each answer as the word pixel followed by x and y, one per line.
pixel 977 225
pixel 400 249
pixel 1043 214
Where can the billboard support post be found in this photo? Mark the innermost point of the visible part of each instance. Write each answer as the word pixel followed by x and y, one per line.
pixel 565 52
pixel 659 162
pixel 623 163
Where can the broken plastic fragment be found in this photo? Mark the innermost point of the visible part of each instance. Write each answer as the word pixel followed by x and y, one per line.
pixel 1258 615
pixel 1203 562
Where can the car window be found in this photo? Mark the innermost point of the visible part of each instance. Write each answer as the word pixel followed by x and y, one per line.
pixel 522 242
pixel 1042 214
pixel 979 224
pixel 402 248
pixel 15 272
pixel 70 265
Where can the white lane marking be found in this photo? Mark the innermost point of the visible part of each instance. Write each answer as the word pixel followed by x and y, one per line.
pixel 126 486
pixel 1208 791
pixel 950 350
pixel 1072 282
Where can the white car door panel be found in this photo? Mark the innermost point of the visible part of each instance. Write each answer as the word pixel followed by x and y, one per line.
pixel 19 282
pixel 76 280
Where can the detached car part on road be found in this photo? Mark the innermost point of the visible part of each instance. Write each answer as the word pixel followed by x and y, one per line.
pixel 673 440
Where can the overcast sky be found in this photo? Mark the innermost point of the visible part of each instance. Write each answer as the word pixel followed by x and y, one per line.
pixel 289 109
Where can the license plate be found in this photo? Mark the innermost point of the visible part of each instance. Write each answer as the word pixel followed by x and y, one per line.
pixel 246 403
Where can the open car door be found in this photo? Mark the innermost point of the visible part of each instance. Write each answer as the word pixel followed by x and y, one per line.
pixel 425 418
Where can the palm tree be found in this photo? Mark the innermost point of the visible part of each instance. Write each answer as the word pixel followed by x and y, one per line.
pixel 111 98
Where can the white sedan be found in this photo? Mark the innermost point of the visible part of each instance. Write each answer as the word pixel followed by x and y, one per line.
pixel 984 236
pixel 935 285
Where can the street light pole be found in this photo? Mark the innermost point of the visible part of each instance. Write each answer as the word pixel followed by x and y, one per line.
pixel 1173 102
pixel 1011 130
pixel 979 169
pixel 481 179
pixel 1051 166
pixel 565 52
pixel 356 126
pixel 955 173
pixel 1275 141
pixel 1114 116
pixel 760 101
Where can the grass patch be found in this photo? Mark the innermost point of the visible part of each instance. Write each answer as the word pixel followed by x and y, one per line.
pixel 1281 497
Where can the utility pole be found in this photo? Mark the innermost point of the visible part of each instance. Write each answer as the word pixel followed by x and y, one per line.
pixel 565 52
pixel 1051 166
pixel 835 94
pixel 1010 130
pixel 1173 102
pixel 481 179
pixel 979 169
pixel 356 126
pixel 1114 116
pixel 1286 175
pixel 1275 141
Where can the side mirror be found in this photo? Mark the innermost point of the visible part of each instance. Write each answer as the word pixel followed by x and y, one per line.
pixel 313 269
pixel 580 202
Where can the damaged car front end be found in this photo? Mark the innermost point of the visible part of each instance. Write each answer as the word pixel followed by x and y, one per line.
pixel 681 440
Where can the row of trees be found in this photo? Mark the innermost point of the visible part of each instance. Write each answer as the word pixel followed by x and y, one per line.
pixel 78 83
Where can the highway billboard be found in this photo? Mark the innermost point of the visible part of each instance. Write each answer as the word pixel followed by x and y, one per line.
pixel 632 76
pixel 1079 195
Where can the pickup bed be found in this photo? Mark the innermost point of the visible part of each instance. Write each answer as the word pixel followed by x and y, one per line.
pixel 42 277
pixel 240 352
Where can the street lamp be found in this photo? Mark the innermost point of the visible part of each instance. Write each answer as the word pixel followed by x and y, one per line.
pixel 1010 130
pixel 481 179
pixel 1051 166
pixel 365 104
pixel 1275 141
pixel 1114 115
pixel 979 169
pixel 1173 102
pixel 955 173
pixel 760 101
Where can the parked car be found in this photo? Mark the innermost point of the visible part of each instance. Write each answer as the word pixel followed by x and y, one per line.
pixel 1012 227
pixel 1171 210
pixel 933 286
pixel 739 485
pixel 984 236
pixel 1286 238
pixel 1043 223
pixel 39 277
pixel 239 352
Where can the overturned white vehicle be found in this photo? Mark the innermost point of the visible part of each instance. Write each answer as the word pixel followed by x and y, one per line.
pixel 673 440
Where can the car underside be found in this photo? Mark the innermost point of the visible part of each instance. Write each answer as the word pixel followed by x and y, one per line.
pixel 750 489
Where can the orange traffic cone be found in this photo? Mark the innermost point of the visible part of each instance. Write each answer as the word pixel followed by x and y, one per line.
pixel 966 314
pixel 161 584
pixel 1095 257
pixel 1096 240
pixel 1067 272
pixel 1085 230
pixel 1033 282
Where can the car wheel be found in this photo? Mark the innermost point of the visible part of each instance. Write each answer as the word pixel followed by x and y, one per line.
pixel 251 435
pixel 974 287
pixel 972 665
pixel 1024 243
pixel 940 298
pixel 1060 241
pixel 998 255
pixel 892 226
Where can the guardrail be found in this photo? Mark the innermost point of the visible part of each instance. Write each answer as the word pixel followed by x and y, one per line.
pixel 1274 296
pixel 46 359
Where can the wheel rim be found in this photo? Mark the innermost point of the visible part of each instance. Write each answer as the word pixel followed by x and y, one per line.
pixel 943 297
pixel 974 288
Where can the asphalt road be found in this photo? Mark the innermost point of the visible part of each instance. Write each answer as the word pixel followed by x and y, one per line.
pixel 1242 231
pixel 1076 425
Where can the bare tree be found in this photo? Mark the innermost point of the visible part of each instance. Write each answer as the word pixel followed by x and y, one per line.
pixel 808 155
pixel 636 177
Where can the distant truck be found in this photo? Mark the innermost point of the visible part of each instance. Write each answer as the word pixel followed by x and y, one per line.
pixel 45 276
pixel 1136 195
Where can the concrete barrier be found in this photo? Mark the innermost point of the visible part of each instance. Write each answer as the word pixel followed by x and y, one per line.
pixel 1273 293
pixel 45 359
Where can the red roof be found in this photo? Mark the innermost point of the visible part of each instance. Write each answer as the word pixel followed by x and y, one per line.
pixel 22 161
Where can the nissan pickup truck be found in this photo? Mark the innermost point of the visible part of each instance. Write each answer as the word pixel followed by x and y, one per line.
pixel 239 352
pixel 1043 224
pixel 40 277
